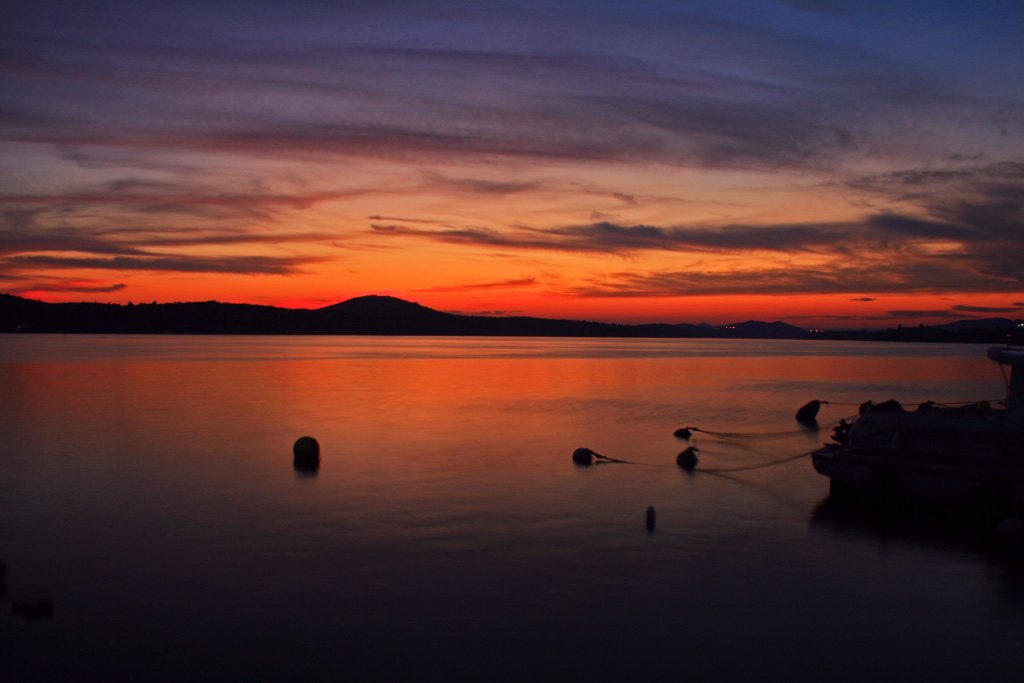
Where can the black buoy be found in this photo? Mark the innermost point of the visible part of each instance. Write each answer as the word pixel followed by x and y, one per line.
pixel 683 433
pixel 687 459
pixel 307 454
pixel 583 456
pixel 650 518
pixel 809 413
pixel 306 448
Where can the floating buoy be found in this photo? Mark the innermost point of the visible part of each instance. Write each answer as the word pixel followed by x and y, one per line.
pixel 583 456
pixel 650 518
pixel 306 449
pixel 687 459
pixel 683 433
pixel 307 456
pixel 808 413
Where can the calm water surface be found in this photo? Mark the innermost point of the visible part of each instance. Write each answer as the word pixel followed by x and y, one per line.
pixel 147 482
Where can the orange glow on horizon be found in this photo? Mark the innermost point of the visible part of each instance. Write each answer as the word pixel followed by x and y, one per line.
pixel 669 246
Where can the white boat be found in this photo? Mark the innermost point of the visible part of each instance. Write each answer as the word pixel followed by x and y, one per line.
pixel 972 453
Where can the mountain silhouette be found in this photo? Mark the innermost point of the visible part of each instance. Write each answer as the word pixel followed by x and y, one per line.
pixel 387 315
pixel 384 315
pixel 366 315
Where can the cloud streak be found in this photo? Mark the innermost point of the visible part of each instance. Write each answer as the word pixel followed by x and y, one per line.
pixel 68 286
pixel 986 309
pixel 239 265
pixel 876 278
pixel 478 286
pixel 606 237
pixel 154 198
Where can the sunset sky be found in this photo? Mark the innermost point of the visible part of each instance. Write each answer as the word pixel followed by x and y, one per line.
pixel 837 163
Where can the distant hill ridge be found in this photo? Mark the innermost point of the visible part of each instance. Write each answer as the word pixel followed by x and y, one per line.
pixel 387 315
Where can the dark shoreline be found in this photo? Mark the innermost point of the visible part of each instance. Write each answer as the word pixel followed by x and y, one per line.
pixel 388 316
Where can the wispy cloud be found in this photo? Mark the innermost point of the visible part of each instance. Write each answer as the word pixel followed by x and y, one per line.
pixel 70 286
pixel 153 197
pixel 498 284
pixel 987 309
pixel 136 221
pixel 606 237
pixel 13 241
pixel 479 185
pixel 241 265
pixel 878 277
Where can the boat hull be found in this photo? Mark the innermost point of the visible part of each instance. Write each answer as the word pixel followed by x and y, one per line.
pixel 971 453
pixel 995 482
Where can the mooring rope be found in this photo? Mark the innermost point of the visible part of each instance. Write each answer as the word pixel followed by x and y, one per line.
pixel 762 435
pixel 606 459
pixel 966 404
pixel 768 435
pixel 722 470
